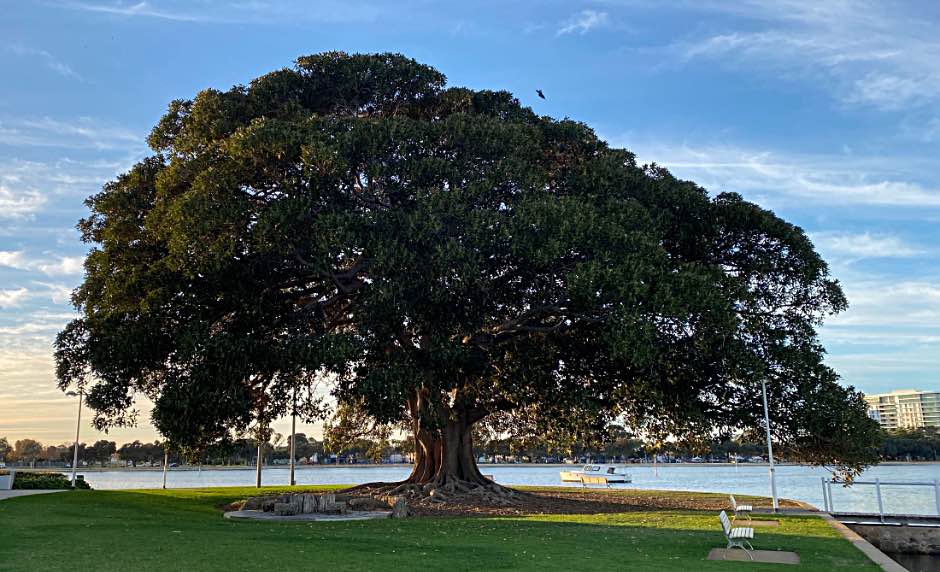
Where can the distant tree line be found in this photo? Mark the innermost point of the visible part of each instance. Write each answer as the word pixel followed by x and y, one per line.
pixel 617 445
pixel 911 445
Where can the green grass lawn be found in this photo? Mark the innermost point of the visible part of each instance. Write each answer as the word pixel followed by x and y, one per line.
pixel 183 529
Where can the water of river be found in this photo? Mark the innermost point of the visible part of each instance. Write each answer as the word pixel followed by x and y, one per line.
pixel 794 482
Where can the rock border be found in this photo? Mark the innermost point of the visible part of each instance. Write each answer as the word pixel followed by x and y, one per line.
pixel 261 516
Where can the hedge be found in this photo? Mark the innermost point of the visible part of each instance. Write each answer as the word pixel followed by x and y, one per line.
pixel 47 480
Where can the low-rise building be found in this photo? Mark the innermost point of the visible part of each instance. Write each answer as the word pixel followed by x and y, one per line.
pixel 905 409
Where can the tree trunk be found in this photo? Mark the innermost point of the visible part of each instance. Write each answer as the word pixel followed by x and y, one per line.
pixel 445 455
pixel 445 468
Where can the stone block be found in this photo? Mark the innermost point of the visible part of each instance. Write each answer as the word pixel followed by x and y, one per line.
pixel 253 503
pixel 310 503
pixel 285 509
pixel 400 508
pixel 366 503
pixel 334 508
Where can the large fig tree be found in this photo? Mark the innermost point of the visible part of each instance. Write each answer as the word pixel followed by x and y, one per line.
pixel 446 257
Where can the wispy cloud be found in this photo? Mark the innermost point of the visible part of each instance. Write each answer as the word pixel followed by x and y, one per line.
pixel 777 177
pixel 79 133
pixel 143 9
pixel 28 188
pixel 15 204
pixel 583 22
pixel 51 62
pixel 286 11
pixel 870 53
pixel 57 292
pixel 12 297
pixel 864 245
pixel 891 329
pixel 62 266
pixel 50 266
pixel 14 259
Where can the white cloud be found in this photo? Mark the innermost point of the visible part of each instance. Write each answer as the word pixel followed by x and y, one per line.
pixel 863 245
pixel 57 266
pixel 30 187
pixel 50 61
pixel 13 259
pixel 765 176
pixel 138 9
pixel 63 265
pixel 891 306
pixel 57 292
pixel 869 53
pixel 583 22
pixel 19 203
pixel 78 133
pixel 235 13
pixel 10 298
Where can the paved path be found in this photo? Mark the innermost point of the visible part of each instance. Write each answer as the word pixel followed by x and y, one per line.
pixel 24 493
pixel 875 555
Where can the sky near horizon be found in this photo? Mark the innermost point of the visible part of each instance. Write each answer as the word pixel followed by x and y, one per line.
pixel 825 112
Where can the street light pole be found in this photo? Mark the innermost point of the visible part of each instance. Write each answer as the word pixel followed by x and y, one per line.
pixel 770 447
pixel 258 467
pixel 293 432
pixel 78 427
pixel 166 460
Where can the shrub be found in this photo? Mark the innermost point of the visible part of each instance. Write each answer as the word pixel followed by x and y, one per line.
pixel 47 480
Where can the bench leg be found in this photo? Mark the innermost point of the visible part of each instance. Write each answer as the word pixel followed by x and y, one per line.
pixel 739 544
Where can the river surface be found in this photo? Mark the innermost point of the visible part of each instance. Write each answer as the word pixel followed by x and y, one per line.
pixel 794 482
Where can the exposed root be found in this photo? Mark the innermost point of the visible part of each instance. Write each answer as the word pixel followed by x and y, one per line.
pixel 449 490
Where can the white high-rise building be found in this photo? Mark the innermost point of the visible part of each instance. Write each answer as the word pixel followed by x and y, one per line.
pixel 905 409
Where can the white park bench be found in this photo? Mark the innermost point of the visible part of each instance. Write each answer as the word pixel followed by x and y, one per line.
pixel 744 509
pixel 594 480
pixel 737 537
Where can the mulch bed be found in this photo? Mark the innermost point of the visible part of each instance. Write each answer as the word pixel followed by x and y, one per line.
pixel 582 502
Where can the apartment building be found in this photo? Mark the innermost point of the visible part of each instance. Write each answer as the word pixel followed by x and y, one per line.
pixel 905 409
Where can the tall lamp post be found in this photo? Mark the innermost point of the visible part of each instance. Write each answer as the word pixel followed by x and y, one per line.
pixel 78 427
pixel 166 460
pixel 293 432
pixel 770 447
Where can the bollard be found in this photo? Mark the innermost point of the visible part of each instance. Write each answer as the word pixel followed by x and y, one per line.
pixel 881 509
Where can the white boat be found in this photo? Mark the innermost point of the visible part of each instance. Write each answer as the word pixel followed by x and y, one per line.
pixel 610 472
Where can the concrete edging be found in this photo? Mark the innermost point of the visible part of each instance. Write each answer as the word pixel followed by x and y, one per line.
pixel 16 493
pixel 878 557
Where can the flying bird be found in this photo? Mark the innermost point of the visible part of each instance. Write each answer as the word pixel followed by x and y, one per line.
pixel 539 91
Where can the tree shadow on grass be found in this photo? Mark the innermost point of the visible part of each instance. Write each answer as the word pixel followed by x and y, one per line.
pixel 142 530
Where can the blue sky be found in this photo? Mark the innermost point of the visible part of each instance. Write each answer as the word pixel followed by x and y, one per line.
pixel 825 112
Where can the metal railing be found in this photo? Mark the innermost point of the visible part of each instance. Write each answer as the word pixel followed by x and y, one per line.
pixel 878 483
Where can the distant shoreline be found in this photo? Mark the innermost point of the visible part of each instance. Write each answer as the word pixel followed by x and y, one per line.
pixel 191 468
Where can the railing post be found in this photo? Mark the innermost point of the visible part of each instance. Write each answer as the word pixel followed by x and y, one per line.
pixel 936 492
pixel 825 497
pixel 881 509
pixel 829 489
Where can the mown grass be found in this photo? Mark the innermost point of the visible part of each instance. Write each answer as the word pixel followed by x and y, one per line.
pixel 183 529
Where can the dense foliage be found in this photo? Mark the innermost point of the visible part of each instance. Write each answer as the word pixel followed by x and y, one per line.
pixel 911 445
pixel 446 257
pixel 46 481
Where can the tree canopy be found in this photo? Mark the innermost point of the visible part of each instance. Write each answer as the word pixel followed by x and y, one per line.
pixel 446 257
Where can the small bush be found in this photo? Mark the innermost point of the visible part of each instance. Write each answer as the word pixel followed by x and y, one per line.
pixel 47 481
